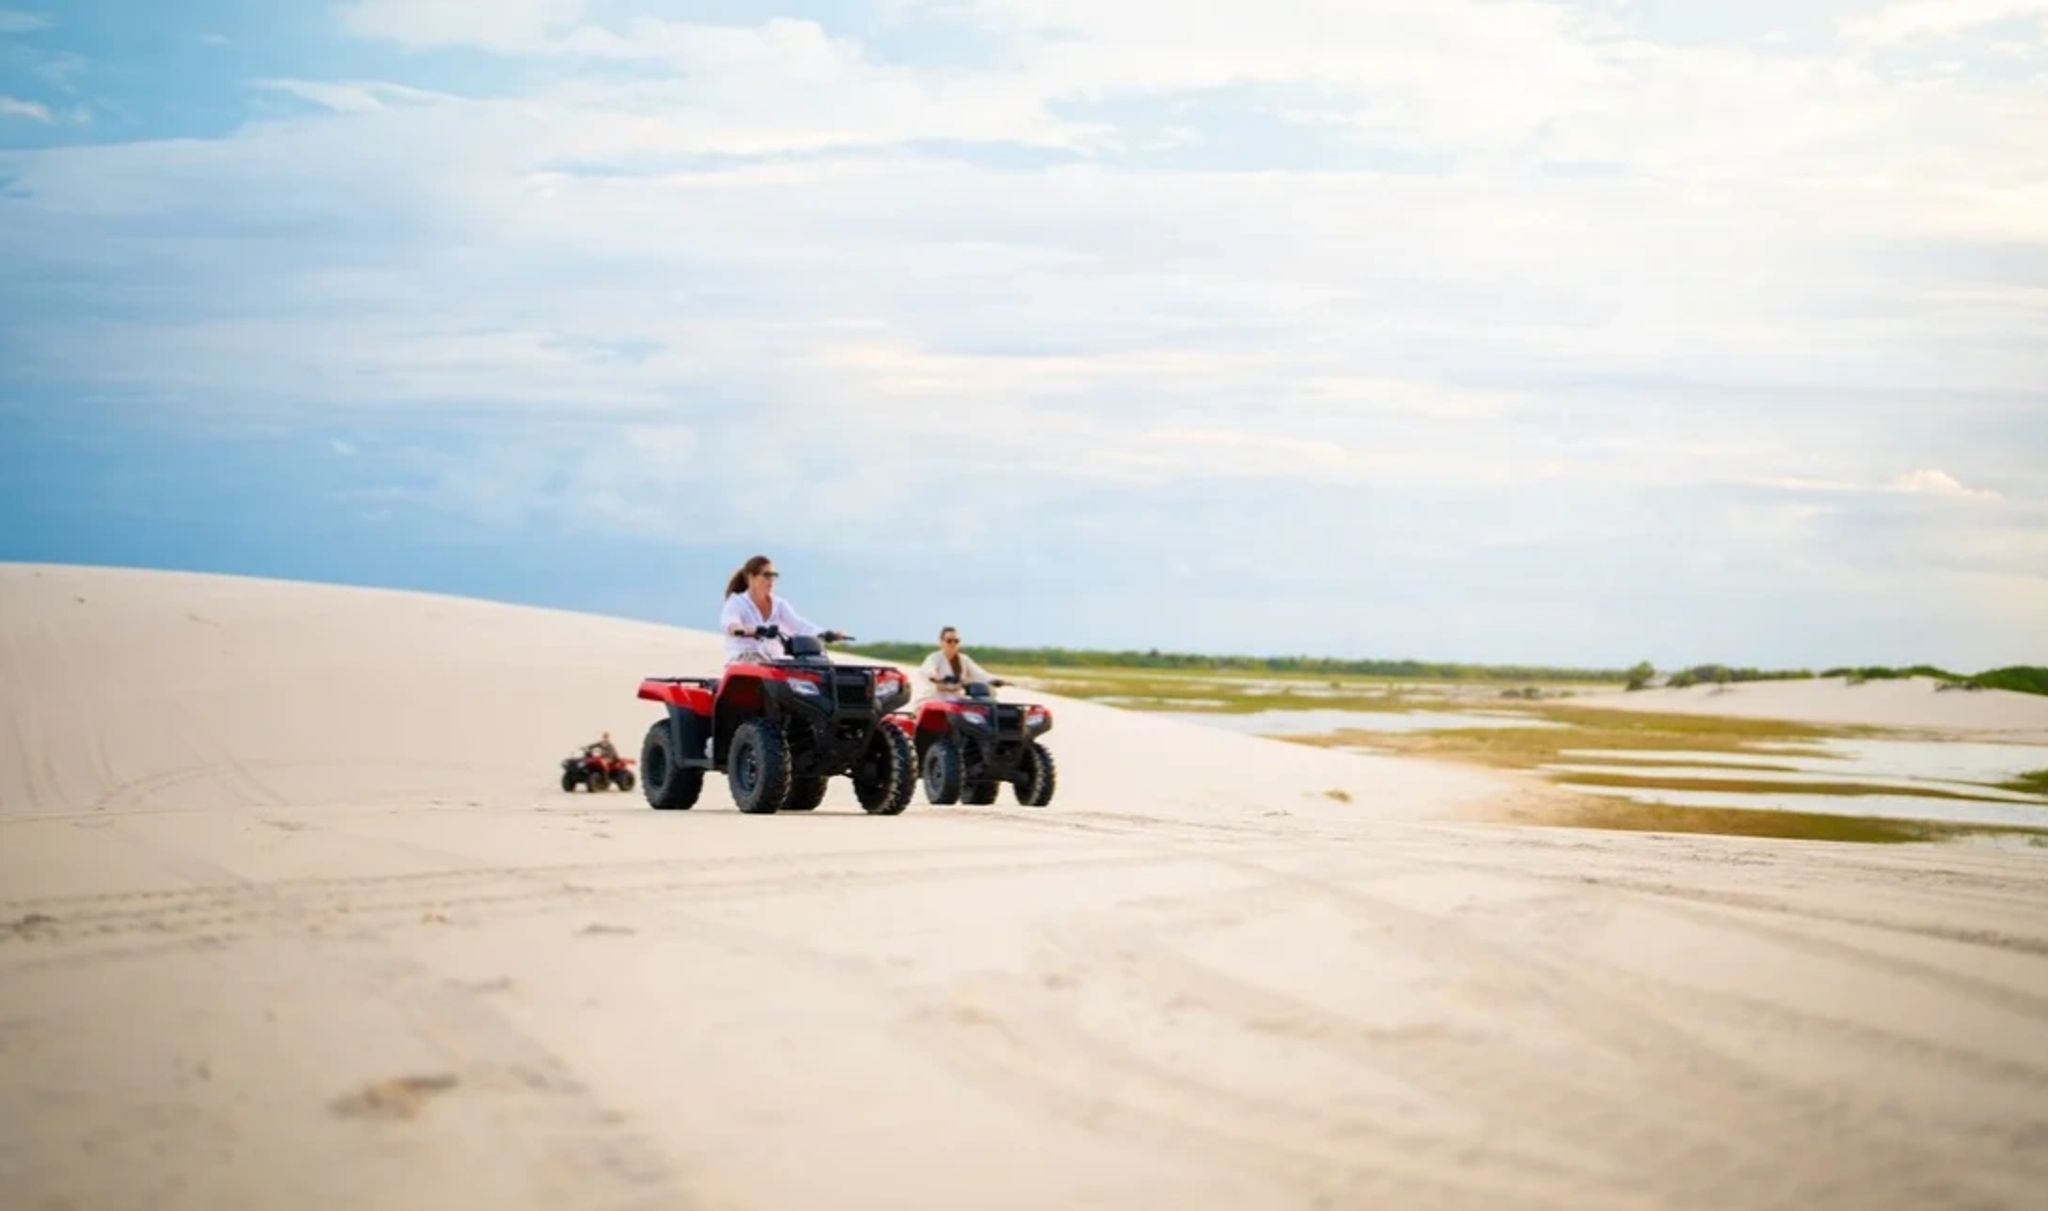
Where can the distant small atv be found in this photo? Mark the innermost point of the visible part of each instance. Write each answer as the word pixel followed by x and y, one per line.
pixel 779 730
pixel 595 771
pixel 967 747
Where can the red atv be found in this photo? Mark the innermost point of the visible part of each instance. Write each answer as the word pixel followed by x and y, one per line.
pixel 967 747
pixel 779 729
pixel 594 770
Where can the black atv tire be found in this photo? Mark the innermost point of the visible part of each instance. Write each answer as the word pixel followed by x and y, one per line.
pixel 805 794
pixel 595 781
pixel 1037 776
pixel 623 779
pixel 667 785
pixel 891 774
pixel 942 773
pixel 569 779
pixel 979 794
pixel 758 770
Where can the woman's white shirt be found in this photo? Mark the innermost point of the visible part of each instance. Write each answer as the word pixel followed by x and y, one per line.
pixel 936 666
pixel 740 611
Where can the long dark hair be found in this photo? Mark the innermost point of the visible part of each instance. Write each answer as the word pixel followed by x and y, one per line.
pixel 738 583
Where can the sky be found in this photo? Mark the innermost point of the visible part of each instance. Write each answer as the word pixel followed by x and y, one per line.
pixel 1491 330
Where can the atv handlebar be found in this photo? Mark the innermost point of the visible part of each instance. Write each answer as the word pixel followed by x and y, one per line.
pixel 772 631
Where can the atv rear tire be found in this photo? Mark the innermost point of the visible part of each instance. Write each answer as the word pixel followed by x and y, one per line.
pixel 887 776
pixel 595 781
pixel 623 779
pixel 942 773
pixel 758 770
pixel 805 794
pixel 1036 776
pixel 666 784
pixel 569 780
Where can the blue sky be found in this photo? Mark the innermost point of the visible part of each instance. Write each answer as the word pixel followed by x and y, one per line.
pixel 1496 330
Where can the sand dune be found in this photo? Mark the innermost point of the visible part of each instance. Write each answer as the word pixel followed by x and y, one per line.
pixel 1912 702
pixel 295 914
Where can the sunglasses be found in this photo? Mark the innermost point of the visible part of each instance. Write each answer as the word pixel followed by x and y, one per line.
pixel 951 642
pixel 769 575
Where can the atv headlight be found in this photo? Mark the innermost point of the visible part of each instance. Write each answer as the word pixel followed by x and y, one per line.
pixel 804 687
pixel 974 718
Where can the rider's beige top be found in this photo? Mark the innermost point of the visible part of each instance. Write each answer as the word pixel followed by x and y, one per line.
pixel 936 666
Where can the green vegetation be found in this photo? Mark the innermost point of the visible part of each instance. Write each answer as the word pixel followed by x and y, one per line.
pixel 1746 822
pixel 1878 672
pixel 1721 674
pixel 2033 782
pixel 1592 728
pixel 1093 665
pixel 1310 666
pixel 1763 786
pixel 2019 678
pixel 2024 679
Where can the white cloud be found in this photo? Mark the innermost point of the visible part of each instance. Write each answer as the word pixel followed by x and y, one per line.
pixel 15 107
pixel 14 21
pixel 351 96
pixel 1497 277
pixel 1933 20
pixel 1926 482
pixel 1939 483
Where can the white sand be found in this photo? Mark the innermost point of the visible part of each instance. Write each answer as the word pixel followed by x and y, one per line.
pixel 294 915
pixel 1911 702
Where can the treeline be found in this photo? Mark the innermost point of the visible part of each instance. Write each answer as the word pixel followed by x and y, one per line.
pixel 1306 666
pixel 2026 679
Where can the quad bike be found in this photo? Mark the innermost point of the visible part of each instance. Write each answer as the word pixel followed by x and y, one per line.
pixel 779 729
pixel 967 747
pixel 595 771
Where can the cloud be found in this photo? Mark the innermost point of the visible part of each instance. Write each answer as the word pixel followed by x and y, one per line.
pixel 1934 20
pixel 15 107
pixel 351 97
pixel 1359 286
pixel 1939 483
pixel 14 21
pixel 1927 482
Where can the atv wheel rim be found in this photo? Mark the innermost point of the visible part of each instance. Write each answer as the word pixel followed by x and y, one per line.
pixel 749 770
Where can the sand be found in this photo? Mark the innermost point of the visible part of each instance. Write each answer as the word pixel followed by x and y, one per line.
pixel 1916 703
pixel 293 913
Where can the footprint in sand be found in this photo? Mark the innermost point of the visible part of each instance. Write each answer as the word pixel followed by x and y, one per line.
pixel 399 1098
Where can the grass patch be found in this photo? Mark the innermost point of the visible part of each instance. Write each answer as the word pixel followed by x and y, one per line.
pixel 1527 748
pixel 1680 763
pixel 1210 693
pixel 1799 826
pixel 1759 786
pixel 2033 782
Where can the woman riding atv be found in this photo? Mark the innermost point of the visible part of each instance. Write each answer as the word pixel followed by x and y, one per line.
pixel 751 606
pixel 949 671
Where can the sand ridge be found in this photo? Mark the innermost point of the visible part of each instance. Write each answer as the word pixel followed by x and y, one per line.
pixel 291 909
